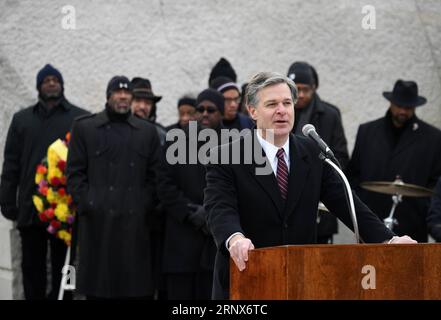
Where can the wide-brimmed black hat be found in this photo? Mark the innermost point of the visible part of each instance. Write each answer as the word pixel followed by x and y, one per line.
pixel 405 94
pixel 142 89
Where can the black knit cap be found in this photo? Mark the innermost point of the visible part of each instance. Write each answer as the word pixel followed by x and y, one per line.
pixel 188 101
pixel 214 96
pixel 222 68
pixel 48 70
pixel 117 83
pixel 223 84
pixel 302 72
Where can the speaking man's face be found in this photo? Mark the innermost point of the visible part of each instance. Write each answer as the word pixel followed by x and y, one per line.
pixel 274 110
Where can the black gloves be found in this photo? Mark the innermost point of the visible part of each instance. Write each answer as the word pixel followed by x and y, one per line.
pixel 198 218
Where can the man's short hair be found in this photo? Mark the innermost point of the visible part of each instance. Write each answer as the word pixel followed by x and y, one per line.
pixel 265 79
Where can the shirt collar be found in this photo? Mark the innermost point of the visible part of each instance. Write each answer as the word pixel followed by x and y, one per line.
pixel 270 149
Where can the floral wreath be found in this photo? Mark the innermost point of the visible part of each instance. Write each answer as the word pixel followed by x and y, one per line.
pixel 55 207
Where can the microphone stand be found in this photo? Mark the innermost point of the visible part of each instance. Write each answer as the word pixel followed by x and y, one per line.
pixel 348 193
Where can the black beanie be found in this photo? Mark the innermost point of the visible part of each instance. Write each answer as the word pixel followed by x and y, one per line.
pixel 116 83
pixel 188 101
pixel 222 69
pixel 301 72
pixel 223 84
pixel 48 70
pixel 212 95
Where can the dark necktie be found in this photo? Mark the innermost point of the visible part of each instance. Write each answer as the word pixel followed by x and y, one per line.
pixel 282 173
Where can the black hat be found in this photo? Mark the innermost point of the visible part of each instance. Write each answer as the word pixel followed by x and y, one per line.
pixel 222 69
pixel 302 72
pixel 48 70
pixel 142 89
pixel 223 84
pixel 187 100
pixel 405 94
pixel 117 83
pixel 214 96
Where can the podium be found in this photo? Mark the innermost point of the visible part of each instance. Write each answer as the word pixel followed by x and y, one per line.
pixel 340 272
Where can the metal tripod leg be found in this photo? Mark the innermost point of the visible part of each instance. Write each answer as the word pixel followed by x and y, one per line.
pixel 390 221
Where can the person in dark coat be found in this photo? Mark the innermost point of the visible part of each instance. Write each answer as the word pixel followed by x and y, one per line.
pixel 189 248
pixel 186 112
pixel 31 132
pixel 434 215
pixel 327 121
pixel 143 105
pixel 232 118
pixel 250 209
pixel 398 144
pixel 111 174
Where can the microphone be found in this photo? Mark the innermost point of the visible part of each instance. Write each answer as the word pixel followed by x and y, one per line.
pixel 308 130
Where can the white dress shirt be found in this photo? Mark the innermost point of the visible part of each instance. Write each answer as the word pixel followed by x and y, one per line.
pixel 271 152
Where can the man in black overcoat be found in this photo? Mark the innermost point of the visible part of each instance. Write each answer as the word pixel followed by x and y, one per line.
pixel 31 132
pixel 398 144
pixel 253 207
pixel 111 172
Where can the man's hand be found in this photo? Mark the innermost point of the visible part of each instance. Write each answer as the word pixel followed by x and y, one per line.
pixel 239 247
pixel 400 240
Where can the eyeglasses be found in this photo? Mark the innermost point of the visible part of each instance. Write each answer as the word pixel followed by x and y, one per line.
pixel 202 109
pixel 230 100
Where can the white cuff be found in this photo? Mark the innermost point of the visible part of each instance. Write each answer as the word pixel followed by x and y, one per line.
pixel 391 240
pixel 229 238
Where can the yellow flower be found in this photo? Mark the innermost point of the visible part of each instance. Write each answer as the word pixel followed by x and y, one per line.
pixel 61 212
pixel 38 178
pixel 38 203
pixel 51 196
pixel 64 235
pixel 54 172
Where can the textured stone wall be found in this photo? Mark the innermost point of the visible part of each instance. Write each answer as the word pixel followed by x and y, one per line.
pixel 175 44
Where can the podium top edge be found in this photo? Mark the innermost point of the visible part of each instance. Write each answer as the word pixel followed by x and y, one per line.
pixel 351 245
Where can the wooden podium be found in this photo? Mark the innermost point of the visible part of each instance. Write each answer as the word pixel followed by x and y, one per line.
pixel 343 272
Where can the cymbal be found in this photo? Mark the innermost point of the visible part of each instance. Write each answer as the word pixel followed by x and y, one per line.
pixel 397 187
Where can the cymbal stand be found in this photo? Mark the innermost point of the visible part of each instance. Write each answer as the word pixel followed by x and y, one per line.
pixel 390 221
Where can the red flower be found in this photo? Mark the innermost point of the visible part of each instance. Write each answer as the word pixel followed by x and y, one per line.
pixel 61 165
pixel 49 213
pixel 53 205
pixel 41 169
pixel 55 181
pixel 63 180
pixel 62 192
pixel 42 217
pixel 55 224
pixel 43 190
